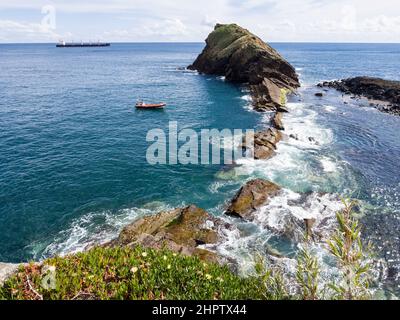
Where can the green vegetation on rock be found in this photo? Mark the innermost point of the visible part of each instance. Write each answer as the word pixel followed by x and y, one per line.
pixel 125 273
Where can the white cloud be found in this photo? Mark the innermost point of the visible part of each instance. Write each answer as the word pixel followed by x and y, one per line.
pixel 168 30
pixel 16 31
pixel 191 20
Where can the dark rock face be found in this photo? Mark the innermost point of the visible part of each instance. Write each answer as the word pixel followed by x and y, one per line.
pixel 371 88
pixel 242 57
pixel 263 143
pixel 181 230
pixel 250 197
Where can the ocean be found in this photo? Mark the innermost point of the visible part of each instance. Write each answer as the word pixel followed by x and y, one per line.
pixel 73 167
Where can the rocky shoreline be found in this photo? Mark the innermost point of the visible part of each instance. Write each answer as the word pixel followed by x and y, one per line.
pixel 383 94
pixel 241 57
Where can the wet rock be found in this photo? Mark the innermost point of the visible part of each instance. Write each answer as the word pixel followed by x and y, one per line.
pixel 271 251
pixel 242 57
pixel 263 144
pixel 309 224
pixel 250 197
pixel 277 121
pixel 371 88
pixel 181 230
pixel 294 136
pixel 319 94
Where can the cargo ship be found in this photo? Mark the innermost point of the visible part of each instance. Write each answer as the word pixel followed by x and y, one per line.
pixel 63 44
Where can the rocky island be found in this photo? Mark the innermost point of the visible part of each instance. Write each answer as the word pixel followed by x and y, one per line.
pixel 241 57
pixel 384 94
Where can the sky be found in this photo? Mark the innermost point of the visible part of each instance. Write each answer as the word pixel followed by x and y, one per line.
pixel 191 21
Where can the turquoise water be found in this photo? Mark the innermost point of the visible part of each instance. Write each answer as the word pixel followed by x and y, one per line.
pixel 72 157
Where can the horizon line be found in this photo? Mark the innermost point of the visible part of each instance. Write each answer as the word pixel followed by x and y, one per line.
pixel 203 42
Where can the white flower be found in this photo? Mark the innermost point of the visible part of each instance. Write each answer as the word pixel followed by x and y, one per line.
pixel 208 276
pixel 165 258
pixel 134 269
pixel 169 267
pixel 144 254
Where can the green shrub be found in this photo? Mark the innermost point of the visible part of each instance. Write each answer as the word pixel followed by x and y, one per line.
pixel 353 259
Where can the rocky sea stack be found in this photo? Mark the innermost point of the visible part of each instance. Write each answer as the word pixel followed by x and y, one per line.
pixel 242 57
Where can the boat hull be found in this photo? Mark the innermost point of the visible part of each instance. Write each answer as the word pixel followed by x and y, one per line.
pixel 151 106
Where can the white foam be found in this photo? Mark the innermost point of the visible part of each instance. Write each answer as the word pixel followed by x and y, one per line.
pixel 97 228
pixel 328 165
pixel 330 109
pixel 247 97
pixel 301 122
pixel 244 240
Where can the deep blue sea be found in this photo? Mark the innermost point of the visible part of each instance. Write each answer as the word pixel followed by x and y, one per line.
pixel 72 146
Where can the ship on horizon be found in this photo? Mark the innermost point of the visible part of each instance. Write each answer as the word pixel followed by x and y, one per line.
pixel 63 44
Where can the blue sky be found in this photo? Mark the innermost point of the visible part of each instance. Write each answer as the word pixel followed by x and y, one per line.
pixel 188 20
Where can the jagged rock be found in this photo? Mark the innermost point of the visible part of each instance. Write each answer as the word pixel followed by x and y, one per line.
pixel 263 143
pixel 7 270
pixel 181 230
pixel 371 88
pixel 250 197
pixel 242 57
pixel 277 121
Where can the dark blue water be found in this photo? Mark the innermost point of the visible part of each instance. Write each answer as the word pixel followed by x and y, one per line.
pixel 72 145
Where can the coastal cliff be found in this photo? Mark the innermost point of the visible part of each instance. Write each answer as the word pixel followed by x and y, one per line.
pixel 240 56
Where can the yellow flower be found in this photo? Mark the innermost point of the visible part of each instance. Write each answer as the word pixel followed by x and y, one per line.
pixel 220 279
pixel 174 254
pixel 134 269
pixel 165 258
pixel 208 276
pixel 144 254
pixel 169 267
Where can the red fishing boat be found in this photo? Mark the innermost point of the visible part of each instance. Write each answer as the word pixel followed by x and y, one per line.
pixel 142 105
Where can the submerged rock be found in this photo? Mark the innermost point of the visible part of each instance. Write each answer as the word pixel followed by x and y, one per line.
pixel 240 56
pixel 250 197
pixel 371 88
pixel 181 230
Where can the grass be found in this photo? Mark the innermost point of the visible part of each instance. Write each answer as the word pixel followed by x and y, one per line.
pixel 125 273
